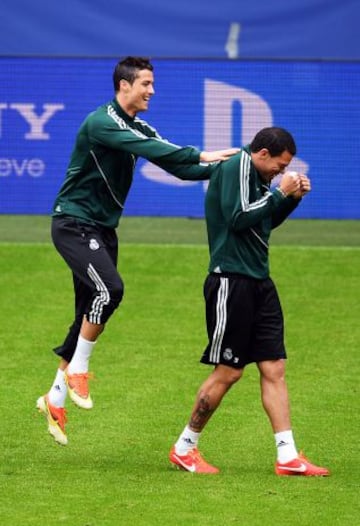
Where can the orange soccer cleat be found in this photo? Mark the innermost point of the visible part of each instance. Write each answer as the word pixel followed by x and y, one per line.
pixel 192 462
pixel 56 418
pixel 301 466
pixel 78 387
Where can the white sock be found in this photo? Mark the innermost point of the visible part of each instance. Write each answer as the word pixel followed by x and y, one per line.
pixel 58 390
pixel 186 441
pixel 285 444
pixel 80 361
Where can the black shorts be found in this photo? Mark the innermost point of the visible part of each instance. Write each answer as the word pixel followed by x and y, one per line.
pixel 244 320
pixel 91 253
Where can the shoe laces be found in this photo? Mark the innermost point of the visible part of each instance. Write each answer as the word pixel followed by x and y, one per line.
pixel 301 456
pixel 195 455
pixel 81 382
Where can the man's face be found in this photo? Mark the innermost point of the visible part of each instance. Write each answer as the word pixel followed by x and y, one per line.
pixel 267 166
pixel 135 97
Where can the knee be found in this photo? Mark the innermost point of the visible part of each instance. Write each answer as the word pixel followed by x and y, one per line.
pixel 279 370
pixel 228 375
pixel 235 376
pixel 273 371
pixel 105 302
pixel 115 296
pixel 117 293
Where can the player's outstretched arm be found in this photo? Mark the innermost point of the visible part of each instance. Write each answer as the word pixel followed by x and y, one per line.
pixel 218 155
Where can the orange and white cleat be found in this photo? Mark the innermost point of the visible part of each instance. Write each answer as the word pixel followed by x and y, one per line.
pixel 78 388
pixel 56 418
pixel 192 462
pixel 301 466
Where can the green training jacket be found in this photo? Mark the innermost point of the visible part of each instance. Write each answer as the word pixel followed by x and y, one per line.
pixel 102 164
pixel 240 213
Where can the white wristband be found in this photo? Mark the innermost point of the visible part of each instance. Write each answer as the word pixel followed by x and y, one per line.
pixel 281 191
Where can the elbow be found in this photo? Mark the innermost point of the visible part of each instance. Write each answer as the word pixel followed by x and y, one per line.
pixel 238 222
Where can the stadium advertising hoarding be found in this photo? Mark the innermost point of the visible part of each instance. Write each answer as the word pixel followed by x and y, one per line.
pixel 311 29
pixel 207 103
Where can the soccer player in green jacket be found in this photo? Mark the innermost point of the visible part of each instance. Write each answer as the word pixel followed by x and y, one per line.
pixel 87 211
pixel 243 312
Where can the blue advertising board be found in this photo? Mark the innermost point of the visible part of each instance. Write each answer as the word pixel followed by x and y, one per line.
pixel 311 29
pixel 210 104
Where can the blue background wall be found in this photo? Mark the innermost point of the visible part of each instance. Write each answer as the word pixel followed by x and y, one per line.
pixel 222 71
pixel 207 103
pixel 186 28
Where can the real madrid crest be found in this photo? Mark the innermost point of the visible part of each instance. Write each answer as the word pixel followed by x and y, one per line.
pixel 94 244
pixel 228 354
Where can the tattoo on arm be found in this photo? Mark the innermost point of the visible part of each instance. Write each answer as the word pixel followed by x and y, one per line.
pixel 201 414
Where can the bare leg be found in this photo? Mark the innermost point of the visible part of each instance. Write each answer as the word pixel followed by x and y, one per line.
pixel 185 453
pixel 90 331
pixel 274 394
pixel 211 393
pixel 63 364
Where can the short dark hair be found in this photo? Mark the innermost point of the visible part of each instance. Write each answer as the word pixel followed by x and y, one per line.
pixel 276 140
pixel 128 69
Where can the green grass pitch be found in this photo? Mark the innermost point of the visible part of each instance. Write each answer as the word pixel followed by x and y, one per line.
pixel 115 470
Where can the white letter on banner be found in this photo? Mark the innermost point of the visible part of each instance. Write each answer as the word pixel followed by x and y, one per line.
pixel 255 115
pixel 2 107
pixel 219 100
pixel 37 122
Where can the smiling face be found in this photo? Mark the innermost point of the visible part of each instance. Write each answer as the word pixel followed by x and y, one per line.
pixel 268 166
pixel 135 97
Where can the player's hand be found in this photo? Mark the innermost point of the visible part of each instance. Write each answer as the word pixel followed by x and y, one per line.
pixel 305 187
pixel 290 184
pixel 305 184
pixel 218 155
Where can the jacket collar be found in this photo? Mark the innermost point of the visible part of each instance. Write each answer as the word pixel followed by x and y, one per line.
pixel 121 112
